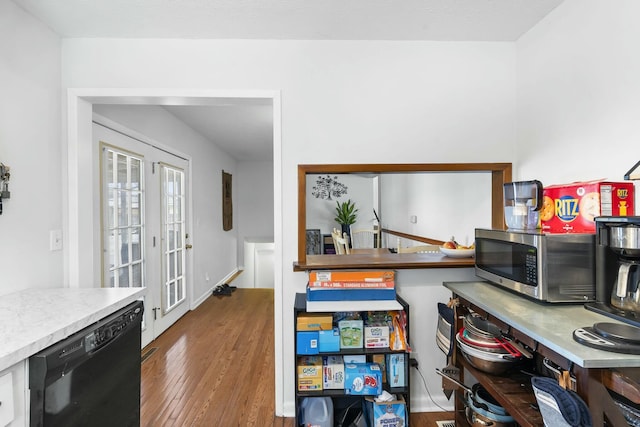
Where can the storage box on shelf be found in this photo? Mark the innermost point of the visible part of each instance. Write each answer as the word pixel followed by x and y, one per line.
pixel 351 372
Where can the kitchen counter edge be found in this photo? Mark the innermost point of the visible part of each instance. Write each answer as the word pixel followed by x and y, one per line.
pixel 551 325
pixel 33 319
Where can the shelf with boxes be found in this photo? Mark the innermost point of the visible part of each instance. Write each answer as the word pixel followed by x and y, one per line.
pixel 348 355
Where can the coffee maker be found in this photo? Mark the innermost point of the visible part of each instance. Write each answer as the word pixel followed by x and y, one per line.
pixel 618 268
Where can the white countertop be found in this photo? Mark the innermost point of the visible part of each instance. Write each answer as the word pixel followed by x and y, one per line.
pixel 550 324
pixel 33 319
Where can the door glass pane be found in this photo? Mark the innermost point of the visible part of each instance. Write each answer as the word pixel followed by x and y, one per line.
pixel 136 245
pixel 123 210
pixel 110 209
pixel 173 226
pixel 136 171
pixel 136 274
pixel 136 211
pixel 122 171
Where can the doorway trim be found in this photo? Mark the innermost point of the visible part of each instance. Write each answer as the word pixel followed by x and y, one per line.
pixel 80 268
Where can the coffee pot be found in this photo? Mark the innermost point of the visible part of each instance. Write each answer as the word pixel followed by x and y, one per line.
pixel 625 294
pixel 618 268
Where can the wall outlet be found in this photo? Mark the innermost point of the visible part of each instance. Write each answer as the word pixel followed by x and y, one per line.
pixel 55 240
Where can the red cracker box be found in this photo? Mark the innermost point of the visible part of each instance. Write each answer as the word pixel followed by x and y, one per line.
pixel 571 208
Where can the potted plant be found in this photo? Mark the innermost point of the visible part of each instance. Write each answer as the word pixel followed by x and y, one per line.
pixel 346 214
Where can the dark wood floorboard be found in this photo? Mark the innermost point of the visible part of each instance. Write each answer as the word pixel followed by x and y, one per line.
pixel 214 367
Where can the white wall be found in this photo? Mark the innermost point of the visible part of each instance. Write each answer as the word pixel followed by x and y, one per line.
pixel 30 119
pixel 253 202
pixel 347 101
pixel 443 204
pixel 578 93
pixel 321 213
pixel 214 250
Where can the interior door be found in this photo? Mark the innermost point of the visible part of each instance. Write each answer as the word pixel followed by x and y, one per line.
pixel 144 228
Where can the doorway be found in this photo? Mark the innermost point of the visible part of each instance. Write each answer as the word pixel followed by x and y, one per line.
pixel 81 267
pixel 144 246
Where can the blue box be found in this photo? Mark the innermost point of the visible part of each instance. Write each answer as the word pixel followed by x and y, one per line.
pixel 362 379
pixel 307 342
pixel 329 341
pixel 386 414
pixel 351 294
pixel 396 367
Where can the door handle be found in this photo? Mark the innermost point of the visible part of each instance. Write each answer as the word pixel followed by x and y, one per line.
pixel 188 246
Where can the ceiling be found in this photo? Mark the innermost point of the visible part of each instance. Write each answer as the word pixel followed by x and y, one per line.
pixel 244 128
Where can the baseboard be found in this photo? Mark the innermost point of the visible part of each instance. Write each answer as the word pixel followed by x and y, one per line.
pixel 208 293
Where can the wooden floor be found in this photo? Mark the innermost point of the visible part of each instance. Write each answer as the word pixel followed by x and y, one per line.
pixel 214 367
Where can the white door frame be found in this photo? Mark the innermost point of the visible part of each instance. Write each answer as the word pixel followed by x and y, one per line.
pixel 80 267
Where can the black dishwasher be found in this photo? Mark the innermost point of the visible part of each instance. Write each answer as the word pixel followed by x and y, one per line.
pixel 91 378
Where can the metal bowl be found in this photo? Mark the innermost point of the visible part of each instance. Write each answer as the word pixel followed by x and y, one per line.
pixel 479 417
pixel 492 363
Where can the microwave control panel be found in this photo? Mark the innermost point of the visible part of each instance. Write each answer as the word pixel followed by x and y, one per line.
pixel 531 268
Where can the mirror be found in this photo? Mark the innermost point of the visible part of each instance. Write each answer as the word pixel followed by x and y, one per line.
pixel 376 186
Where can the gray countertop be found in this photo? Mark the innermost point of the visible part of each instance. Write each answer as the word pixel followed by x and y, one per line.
pixel 33 319
pixel 550 324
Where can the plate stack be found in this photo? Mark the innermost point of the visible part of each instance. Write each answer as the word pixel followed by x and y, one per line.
pixel 485 348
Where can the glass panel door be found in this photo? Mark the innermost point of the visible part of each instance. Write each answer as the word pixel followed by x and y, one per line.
pixel 173 230
pixel 124 218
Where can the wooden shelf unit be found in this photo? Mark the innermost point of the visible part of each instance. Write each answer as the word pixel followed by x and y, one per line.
pixel 515 394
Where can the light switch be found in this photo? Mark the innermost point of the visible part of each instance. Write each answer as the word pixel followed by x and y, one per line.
pixel 413 219
pixel 55 240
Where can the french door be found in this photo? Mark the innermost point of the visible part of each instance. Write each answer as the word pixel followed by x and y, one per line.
pixel 144 229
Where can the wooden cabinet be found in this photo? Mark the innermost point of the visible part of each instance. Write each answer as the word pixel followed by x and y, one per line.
pixel 339 397
pixel 546 329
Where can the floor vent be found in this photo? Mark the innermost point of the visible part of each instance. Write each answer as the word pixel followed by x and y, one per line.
pixel 148 354
pixel 451 423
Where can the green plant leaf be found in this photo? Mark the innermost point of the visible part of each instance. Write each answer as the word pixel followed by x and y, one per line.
pixel 346 212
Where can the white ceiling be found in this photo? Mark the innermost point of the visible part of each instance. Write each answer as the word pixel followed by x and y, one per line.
pixel 244 128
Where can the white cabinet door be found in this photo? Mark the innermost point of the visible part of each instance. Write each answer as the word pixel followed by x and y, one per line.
pixel 13 393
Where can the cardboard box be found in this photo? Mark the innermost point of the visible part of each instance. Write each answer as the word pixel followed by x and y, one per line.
pixel 355 358
pixel 396 364
pixel 351 276
pixel 381 360
pixel 351 333
pixel 376 336
pixel 571 208
pixel 386 414
pixel 333 373
pixel 310 373
pixel 314 322
pixel 307 342
pixel 362 379
pixel 329 341
pixel 359 294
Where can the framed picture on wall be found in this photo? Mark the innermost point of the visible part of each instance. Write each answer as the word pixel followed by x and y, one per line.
pixel 227 205
pixel 314 242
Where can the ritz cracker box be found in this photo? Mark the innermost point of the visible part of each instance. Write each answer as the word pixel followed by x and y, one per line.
pixel 571 208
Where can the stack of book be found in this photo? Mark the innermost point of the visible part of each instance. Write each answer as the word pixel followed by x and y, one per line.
pixel 351 285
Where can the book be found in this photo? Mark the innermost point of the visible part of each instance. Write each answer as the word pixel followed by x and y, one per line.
pixel 351 276
pixel 389 284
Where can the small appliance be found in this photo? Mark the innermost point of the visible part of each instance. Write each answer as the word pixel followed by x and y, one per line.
pixel 522 203
pixel 555 268
pixel 618 268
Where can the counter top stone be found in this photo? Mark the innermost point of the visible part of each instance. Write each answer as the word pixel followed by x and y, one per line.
pixel 33 319
pixel 552 325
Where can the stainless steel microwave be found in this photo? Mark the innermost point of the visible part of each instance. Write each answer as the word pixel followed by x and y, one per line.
pixel 546 267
